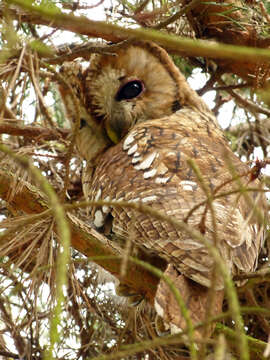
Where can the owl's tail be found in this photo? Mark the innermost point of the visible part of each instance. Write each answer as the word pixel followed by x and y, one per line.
pixel 201 303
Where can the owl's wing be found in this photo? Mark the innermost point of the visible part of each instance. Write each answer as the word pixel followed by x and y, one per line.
pixel 90 139
pixel 150 166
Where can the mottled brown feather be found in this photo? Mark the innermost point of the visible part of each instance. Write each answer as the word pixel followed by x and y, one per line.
pixel 149 164
pixel 119 177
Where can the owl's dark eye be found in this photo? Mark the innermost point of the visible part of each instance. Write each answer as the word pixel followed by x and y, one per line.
pixel 130 90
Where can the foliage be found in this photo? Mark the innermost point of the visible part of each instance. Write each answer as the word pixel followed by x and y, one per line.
pixel 54 302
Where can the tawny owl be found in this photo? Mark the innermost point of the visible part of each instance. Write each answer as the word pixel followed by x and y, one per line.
pixel 140 126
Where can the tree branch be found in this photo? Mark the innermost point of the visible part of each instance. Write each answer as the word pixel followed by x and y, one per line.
pixel 236 23
pixel 251 127
pixel 18 128
pixel 243 60
pixel 85 240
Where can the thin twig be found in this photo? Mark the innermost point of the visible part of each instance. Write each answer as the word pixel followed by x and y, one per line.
pixel 16 127
pixel 39 93
pixel 247 104
pixel 184 10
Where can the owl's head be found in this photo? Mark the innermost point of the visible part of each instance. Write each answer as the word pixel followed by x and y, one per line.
pixel 137 83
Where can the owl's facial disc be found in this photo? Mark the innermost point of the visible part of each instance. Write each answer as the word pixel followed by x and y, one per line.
pixel 132 87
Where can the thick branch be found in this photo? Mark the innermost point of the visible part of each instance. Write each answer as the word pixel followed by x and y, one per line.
pixel 242 60
pixel 87 241
pixel 235 23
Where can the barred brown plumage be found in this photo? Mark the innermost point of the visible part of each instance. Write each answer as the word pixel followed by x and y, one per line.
pixel 147 123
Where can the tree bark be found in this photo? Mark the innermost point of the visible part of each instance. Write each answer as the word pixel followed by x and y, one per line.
pixel 231 22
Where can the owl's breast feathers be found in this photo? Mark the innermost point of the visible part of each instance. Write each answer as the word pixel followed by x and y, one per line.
pixel 150 166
